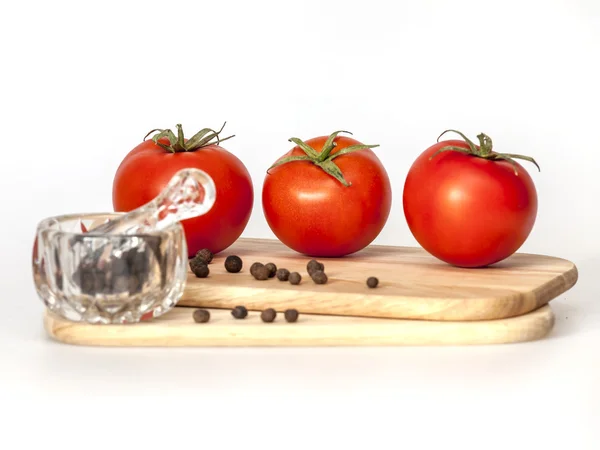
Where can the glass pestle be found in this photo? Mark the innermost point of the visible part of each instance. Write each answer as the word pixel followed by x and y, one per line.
pixel 190 193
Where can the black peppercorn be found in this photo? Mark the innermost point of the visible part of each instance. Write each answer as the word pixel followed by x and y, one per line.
pixel 239 312
pixel 268 315
pixel 233 264
pixel 295 278
pixel 255 266
pixel 261 272
pixel 283 274
pixel 204 255
pixel 120 284
pixel 118 266
pixel 153 244
pixel 134 284
pixel 291 315
pixel 99 277
pixel 314 265
pixel 86 278
pixel 372 282
pixel 319 277
pixel 272 269
pixel 137 260
pixel 199 268
pixel 201 316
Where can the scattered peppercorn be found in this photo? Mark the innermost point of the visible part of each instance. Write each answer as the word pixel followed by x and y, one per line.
pixel 204 255
pixel 314 265
pixel 253 268
pixel 272 269
pixel 239 312
pixel 319 277
pixel 268 315
pixel 291 315
pixel 372 282
pixel 199 268
pixel 295 278
pixel 261 273
pixel 233 264
pixel 201 316
pixel 283 274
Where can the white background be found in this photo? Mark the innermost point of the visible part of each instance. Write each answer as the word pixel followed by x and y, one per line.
pixel 82 83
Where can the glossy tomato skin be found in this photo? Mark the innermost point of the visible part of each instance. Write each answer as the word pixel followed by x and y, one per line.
pixel 146 170
pixel 314 214
pixel 466 210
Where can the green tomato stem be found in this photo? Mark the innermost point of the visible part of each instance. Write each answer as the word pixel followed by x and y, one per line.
pixel 329 145
pixel 202 138
pixel 484 150
pixel 324 159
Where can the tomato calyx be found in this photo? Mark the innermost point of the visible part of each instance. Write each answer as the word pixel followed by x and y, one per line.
pixel 179 143
pixel 324 159
pixel 483 150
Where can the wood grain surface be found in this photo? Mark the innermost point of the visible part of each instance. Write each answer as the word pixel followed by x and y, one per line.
pixel 412 284
pixel 177 329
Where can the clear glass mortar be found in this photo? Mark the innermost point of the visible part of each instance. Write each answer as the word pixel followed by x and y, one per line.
pixel 107 278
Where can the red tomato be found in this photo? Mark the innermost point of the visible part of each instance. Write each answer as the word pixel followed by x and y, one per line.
pixel 468 205
pixel 146 170
pixel 326 202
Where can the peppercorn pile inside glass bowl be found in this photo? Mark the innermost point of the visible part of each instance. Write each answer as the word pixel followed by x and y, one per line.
pixel 107 278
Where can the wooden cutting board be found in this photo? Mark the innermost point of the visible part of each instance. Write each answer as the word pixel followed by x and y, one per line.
pixel 177 329
pixel 412 284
